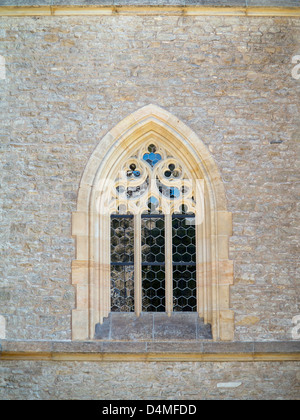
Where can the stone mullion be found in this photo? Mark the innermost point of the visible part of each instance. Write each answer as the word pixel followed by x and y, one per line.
pixel 200 268
pixel 201 253
pixel 168 264
pixel 138 264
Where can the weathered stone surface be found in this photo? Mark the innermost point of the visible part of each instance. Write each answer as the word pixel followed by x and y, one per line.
pixel 144 380
pixel 152 326
pixel 68 82
pixel 44 379
pixel 2 327
pixel 229 79
pixel 275 3
pixel 153 346
pixel 126 326
pixel 278 347
pixel 227 348
pixel 243 3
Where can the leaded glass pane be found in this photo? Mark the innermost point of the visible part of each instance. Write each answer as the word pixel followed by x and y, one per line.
pixel 153 239
pixel 122 239
pixel 153 263
pixel 122 288
pixel 184 288
pixel 184 239
pixel 153 287
pixel 122 263
pixel 152 157
pixel 184 263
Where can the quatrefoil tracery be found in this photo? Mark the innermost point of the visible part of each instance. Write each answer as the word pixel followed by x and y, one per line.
pixel 152 174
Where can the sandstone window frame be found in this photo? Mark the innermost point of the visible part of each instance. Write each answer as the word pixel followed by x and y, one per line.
pixel 90 230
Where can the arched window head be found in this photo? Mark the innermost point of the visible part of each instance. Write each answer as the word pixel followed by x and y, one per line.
pixel 152 232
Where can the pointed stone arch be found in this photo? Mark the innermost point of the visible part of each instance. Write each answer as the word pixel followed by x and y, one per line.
pixel 90 268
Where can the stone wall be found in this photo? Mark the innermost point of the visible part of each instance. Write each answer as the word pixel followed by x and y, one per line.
pixel 243 3
pixel 69 80
pixel 142 381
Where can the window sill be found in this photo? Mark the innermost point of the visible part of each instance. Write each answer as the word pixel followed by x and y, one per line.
pixel 153 326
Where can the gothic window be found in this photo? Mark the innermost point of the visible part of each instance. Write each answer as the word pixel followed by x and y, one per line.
pixel 152 229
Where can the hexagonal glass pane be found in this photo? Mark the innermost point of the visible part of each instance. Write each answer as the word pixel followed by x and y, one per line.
pixel 184 288
pixel 184 240
pixel 153 239
pixel 153 288
pixel 122 288
pixel 122 239
pixel 122 264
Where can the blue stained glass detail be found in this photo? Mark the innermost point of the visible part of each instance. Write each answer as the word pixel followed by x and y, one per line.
pixel 174 192
pixel 152 158
pixel 169 192
pixel 153 203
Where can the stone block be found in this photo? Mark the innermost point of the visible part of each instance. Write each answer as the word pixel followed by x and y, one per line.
pixel 102 331
pixel 82 243
pixel 273 3
pixel 123 347
pixel 26 3
pixel 203 331
pixel 226 272
pixel 227 325
pixel 277 347
pixel 80 329
pixel 224 223
pixel 80 272
pixel 223 247
pixel 26 346
pixel 174 347
pixel 178 326
pixel 127 326
pixel 82 296
pixel 228 348
pixel 76 347
pixel 79 223
pixel 150 326
pixel 214 3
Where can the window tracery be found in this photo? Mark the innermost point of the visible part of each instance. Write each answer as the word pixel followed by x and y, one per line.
pixel 153 181
pixel 155 186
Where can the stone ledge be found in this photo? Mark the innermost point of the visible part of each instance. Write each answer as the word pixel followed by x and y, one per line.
pixel 140 8
pixel 224 3
pixel 149 351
